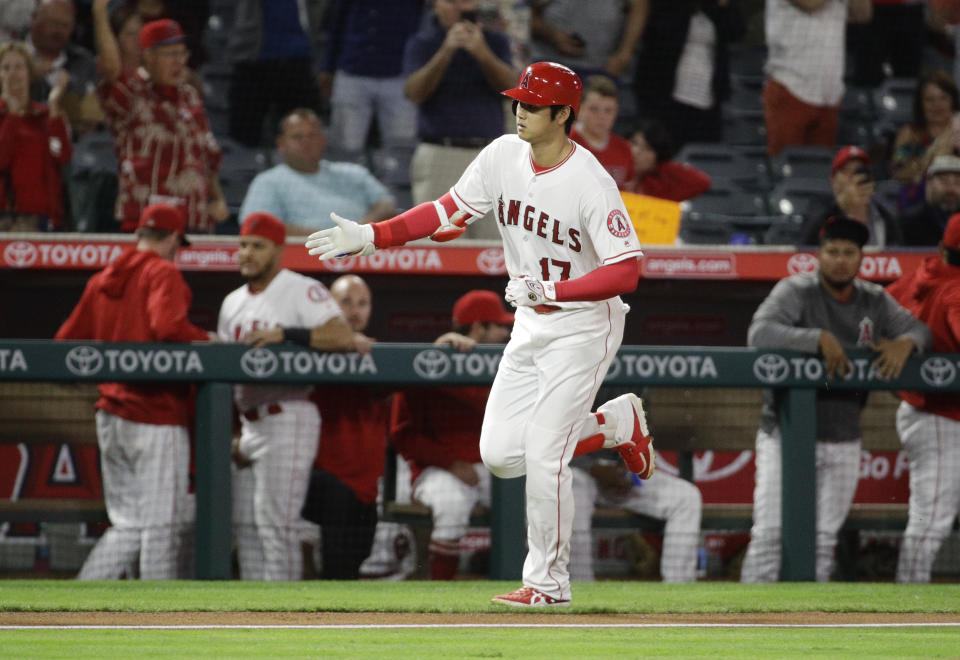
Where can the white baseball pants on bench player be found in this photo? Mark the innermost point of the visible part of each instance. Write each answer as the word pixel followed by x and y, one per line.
pixel 837 473
pixel 548 377
pixel 145 487
pixel 268 494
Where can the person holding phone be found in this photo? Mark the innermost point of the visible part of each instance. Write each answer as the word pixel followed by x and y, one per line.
pixel 854 188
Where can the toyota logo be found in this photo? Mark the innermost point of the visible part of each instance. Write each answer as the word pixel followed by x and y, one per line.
pixel 771 369
pixel 802 262
pixel 340 265
pixel 490 261
pixel 259 363
pixel 431 364
pixel 84 360
pixel 937 371
pixel 20 254
pixel 614 369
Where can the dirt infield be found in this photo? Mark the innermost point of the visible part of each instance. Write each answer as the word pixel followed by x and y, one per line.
pixel 408 619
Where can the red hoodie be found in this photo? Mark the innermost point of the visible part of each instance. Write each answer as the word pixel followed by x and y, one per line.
pixel 932 294
pixel 677 182
pixel 140 297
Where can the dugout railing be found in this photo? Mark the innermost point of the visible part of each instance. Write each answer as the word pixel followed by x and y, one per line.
pixel 213 368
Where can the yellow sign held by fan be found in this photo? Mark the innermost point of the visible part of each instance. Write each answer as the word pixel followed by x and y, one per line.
pixel 656 220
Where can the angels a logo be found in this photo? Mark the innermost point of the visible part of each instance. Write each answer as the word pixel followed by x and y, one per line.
pixel 801 262
pixel 938 371
pixel 525 81
pixel 259 363
pixel 317 294
pixel 865 336
pixel 490 261
pixel 84 360
pixel 771 368
pixel 617 224
pixel 431 364
pixel 20 254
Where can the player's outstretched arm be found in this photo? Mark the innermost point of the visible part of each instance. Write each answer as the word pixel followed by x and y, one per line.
pixel 346 239
pixel 600 284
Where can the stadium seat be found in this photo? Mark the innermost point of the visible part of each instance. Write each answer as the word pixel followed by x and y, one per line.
pixel 743 126
pixel 857 103
pixel 746 91
pixel 238 167
pixel 803 161
pixel 747 59
pixel 893 100
pixel 724 161
pixel 798 196
pixel 727 198
pixel 91 182
pixel 784 230
pixel 697 229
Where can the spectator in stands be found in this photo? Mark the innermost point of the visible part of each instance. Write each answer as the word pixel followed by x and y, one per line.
pixel 455 71
pixel 191 15
pixel 682 74
pixel 591 38
pixel 931 133
pixel 363 64
pixel 15 19
pixel 304 189
pixel 593 129
pixel 49 42
pixel 826 312
pixel 34 146
pixel 655 174
pixel 438 430
pixel 142 429
pixel 273 46
pixel 124 23
pixel 853 196
pixel 602 479
pixel 342 497
pixel 945 14
pixel 804 87
pixel 164 145
pixel 893 39
pixel 925 225
pixel 929 422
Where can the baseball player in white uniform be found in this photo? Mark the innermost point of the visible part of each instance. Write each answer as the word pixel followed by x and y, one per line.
pixel 280 427
pixel 570 250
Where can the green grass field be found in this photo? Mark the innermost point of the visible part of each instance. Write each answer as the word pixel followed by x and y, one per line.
pixel 534 639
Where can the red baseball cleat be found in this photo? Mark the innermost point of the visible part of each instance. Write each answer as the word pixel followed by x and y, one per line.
pixel 634 442
pixel 529 597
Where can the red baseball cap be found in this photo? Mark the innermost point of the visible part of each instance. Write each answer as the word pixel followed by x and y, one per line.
pixel 480 306
pixel 847 154
pixel 164 216
pixel 264 225
pixel 951 235
pixel 160 33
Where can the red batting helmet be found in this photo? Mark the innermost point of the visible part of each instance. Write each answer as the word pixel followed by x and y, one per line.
pixel 548 83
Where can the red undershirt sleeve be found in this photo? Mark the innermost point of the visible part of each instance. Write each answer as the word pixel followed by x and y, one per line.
pixel 418 222
pixel 604 282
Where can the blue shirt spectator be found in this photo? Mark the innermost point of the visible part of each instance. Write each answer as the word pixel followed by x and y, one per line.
pixel 304 190
pixel 367 36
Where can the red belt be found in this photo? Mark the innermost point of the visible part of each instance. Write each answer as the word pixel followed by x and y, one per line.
pixel 253 414
pixel 547 309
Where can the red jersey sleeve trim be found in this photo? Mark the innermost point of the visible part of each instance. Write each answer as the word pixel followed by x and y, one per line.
pixel 418 222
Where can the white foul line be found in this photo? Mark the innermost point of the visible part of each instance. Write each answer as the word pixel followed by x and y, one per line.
pixel 410 626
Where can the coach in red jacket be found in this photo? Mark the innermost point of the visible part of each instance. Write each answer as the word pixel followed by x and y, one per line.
pixel 929 422
pixel 437 429
pixel 141 429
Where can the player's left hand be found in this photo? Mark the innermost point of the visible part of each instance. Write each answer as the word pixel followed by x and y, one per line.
pixel 893 355
pixel 525 292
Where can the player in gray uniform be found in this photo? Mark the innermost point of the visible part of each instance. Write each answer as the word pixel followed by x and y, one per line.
pixel 825 312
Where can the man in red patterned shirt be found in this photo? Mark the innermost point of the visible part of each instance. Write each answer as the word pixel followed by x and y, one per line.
pixel 163 140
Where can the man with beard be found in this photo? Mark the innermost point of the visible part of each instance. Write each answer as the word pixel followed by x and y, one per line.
pixel 925 225
pixel 825 313
pixel 280 426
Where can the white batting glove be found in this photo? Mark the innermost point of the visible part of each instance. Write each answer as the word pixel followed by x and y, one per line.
pixel 525 292
pixel 347 239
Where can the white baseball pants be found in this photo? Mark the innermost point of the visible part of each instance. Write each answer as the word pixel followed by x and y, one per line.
pixel 450 500
pixel 145 487
pixel 662 496
pixel 837 473
pixel 269 494
pixel 932 444
pixel 548 377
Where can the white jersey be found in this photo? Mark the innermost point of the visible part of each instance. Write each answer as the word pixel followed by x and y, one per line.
pixel 290 300
pixel 556 224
